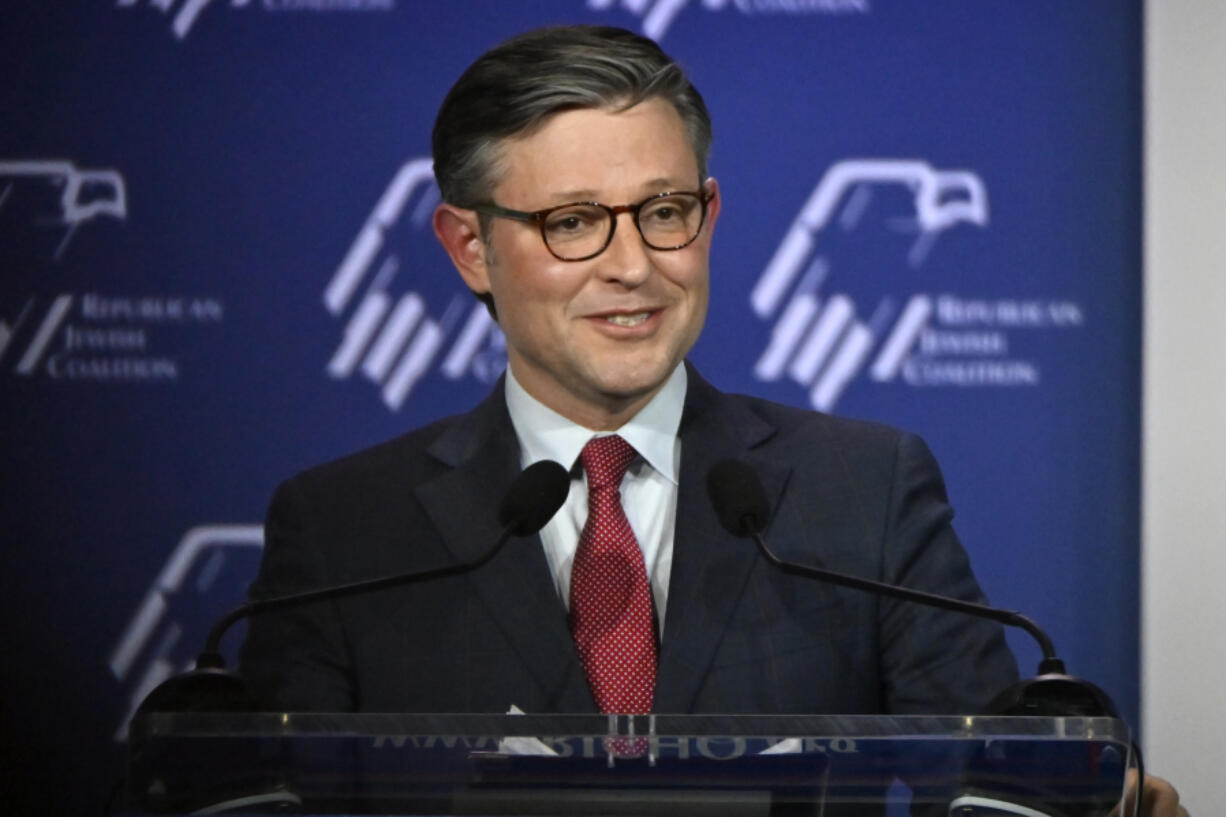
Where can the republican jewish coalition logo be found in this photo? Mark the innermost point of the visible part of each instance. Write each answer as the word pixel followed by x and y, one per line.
pixel 392 336
pixel 833 288
pixel 184 14
pixel 79 336
pixel 43 202
pixel 207 572
pixel 658 15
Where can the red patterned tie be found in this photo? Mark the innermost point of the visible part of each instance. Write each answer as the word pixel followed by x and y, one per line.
pixel 610 597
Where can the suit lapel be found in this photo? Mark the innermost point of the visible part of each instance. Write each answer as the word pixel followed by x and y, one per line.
pixel 710 566
pixel 516 586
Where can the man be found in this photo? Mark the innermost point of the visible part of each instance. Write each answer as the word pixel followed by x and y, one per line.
pixel 576 204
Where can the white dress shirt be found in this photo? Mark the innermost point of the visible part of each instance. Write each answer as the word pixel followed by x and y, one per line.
pixel 649 489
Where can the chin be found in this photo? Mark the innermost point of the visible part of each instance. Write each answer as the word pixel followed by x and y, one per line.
pixel 635 383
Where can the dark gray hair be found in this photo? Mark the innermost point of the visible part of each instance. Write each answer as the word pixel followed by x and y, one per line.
pixel 514 87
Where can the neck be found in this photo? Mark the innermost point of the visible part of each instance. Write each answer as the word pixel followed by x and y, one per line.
pixel 597 411
pixel 605 413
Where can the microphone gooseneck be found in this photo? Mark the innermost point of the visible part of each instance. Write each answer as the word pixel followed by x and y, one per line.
pixel 531 501
pixel 740 502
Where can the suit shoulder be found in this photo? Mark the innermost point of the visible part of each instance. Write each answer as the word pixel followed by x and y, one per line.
pixel 792 424
pixel 400 460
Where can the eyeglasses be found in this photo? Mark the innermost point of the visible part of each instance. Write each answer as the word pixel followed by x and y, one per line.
pixel 582 230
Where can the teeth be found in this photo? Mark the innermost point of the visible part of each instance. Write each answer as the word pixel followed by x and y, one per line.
pixel 627 320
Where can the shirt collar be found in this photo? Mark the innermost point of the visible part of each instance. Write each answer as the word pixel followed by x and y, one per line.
pixel 546 435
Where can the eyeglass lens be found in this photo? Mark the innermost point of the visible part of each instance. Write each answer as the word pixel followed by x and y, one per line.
pixel 582 230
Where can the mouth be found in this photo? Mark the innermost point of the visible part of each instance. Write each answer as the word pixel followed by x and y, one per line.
pixel 627 319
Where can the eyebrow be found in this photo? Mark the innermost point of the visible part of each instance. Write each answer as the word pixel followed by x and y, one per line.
pixel 660 184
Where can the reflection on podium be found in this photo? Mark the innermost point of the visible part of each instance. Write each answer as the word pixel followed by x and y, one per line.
pixel 767 766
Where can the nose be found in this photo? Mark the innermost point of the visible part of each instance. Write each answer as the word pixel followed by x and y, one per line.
pixel 626 260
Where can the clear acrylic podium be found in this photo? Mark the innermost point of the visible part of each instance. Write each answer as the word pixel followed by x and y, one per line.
pixel 578 765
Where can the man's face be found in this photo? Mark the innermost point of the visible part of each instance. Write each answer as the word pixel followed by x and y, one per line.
pixel 596 339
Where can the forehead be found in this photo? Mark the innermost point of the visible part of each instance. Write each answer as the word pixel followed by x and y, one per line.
pixel 599 152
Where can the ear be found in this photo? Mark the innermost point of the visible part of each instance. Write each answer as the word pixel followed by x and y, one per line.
pixel 459 231
pixel 713 206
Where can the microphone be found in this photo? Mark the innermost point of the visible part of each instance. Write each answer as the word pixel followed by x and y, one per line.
pixel 531 501
pixel 740 502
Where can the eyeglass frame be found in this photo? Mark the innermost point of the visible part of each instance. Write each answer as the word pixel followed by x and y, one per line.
pixel 538 217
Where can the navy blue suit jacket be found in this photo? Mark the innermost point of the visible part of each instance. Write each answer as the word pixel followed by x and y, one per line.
pixel 739 637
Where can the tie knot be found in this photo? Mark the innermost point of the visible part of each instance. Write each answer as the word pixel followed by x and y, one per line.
pixel 605 460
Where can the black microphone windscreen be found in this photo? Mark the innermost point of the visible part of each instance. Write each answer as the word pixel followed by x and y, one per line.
pixel 534 497
pixel 738 498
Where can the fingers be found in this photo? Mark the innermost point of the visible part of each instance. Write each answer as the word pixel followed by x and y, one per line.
pixel 1159 799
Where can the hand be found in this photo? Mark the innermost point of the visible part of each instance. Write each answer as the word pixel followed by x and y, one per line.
pixel 1158 798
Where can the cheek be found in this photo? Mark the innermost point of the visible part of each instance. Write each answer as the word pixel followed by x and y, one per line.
pixel 534 294
pixel 522 272
pixel 696 284
pixel 698 317
pixel 691 277
pixel 551 283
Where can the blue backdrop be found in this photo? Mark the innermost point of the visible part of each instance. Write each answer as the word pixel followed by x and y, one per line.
pixel 218 269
